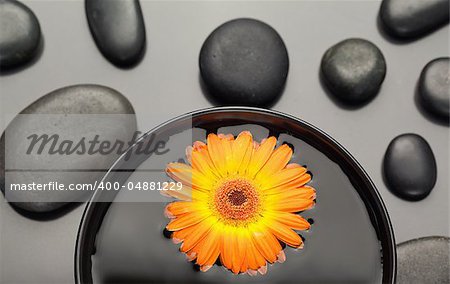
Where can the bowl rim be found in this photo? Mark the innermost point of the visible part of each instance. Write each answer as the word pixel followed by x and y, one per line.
pixel 90 207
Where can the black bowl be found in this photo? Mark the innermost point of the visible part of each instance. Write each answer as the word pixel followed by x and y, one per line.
pixel 351 239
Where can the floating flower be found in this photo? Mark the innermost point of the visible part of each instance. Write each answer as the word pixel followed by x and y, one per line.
pixel 239 201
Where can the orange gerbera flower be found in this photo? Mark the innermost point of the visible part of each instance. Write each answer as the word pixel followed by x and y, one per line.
pixel 239 200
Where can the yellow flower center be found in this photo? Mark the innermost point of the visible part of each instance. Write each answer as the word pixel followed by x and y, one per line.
pixel 236 200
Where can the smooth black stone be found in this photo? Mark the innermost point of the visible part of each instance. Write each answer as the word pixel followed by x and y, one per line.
pixel 20 34
pixel 413 18
pixel 98 107
pixel 353 70
pixel 424 260
pixel 118 29
pixel 434 88
pixel 410 167
pixel 244 62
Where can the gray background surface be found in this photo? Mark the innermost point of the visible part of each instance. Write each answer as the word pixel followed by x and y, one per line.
pixel 166 84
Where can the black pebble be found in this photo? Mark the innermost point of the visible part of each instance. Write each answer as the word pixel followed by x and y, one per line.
pixel 244 62
pixel 353 70
pixel 20 34
pixel 410 167
pixel 434 88
pixel 413 18
pixel 424 260
pixel 118 30
pixel 48 115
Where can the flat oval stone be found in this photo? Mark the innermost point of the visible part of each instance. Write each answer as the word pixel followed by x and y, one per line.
pixel 118 29
pixel 20 34
pixel 413 18
pixel 353 70
pixel 410 167
pixel 73 113
pixel 434 88
pixel 244 62
pixel 424 260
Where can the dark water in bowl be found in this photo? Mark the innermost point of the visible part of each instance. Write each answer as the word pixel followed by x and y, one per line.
pixel 342 245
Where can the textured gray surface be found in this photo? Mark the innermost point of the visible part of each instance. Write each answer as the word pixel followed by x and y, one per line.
pixel 166 84
pixel 424 260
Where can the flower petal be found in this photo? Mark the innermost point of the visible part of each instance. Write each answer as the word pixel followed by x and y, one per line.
pixel 227 148
pixel 298 182
pixel 192 235
pixel 246 159
pixel 285 234
pixel 233 249
pixel 185 193
pixel 240 147
pixel 266 243
pixel 293 221
pixel 202 162
pixel 179 208
pixel 189 176
pixel 280 193
pixel 277 161
pixel 210 249
pixel 238 251
pixel 291 205
pixel 280 178
pixel 254 257
pixel 260 156
pixel 226 254
pixel 217 154
pixel 187 220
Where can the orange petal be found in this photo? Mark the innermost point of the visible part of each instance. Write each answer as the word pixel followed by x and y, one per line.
pixel 260 156
pixel 285 234
pixel 185 193
pixel 186 232
pixel 267 245
pixel 292 205
pixel 192 235
pixel 217 154
pixel 240 147
pixel 238 251
pixel 246 159
pixel 233 250
pixel 298 181
pixel 188 176
pixel 202 162
pixel 254 258
pixel 244 266
pixel 180 172
pixel 304 192
pixel 187 220
pixel 291 220
pixel 277 161
pixel 226 253
pixel 227 148
pixel 179 208
pixel 282 177
pixel 210 249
